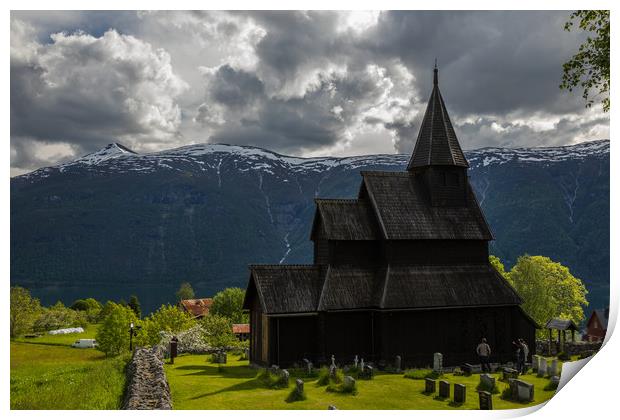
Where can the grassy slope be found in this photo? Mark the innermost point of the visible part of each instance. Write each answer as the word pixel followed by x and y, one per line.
pixel 47 373
pixel 197 384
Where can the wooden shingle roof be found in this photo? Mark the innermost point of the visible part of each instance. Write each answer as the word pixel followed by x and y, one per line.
pixel 346 220
pixel 286 288
pixel 436 143
pixel 298 289
pixel 446 286
pixel 405 211
pixel 560 324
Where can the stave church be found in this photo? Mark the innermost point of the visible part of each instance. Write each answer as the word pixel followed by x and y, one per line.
pixel 403 269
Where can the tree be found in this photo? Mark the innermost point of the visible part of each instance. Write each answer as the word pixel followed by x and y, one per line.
pixel 24 311
pixel 589 67
pixel 497 264
pixel 548 290
pixel 91 307
pixel 134 304
pixel 166 318
pixel 59 316
pixel 218 330
pixel 185 292
pixel 229 303
pixel 113 333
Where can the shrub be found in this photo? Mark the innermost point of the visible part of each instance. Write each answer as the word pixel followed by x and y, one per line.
pixel 563 356
pixel 59 316
pixel 167 318
pixel 191 341
pixel 422 374
pixel 343 388
pixel 24 311
pixel 484 387
pixel 551 386
pixel 324 378
pixel 271 380
pixel 113 334
pixel 218 330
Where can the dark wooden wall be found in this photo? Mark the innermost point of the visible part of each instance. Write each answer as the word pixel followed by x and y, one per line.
pixel 447 186
pixel 436 252
pixel 413 335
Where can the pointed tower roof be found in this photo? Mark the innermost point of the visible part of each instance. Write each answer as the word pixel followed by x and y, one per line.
pixel 437 143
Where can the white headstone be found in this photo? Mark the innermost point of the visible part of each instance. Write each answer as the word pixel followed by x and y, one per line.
pixel 355 361
pixel 542 367
pixel 437 362
pixel 536 362
pixel 333 361
pixel 362 365
pixel 552 369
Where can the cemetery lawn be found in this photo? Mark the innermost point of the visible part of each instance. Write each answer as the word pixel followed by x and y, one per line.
pixel 198 384
pixel 48 374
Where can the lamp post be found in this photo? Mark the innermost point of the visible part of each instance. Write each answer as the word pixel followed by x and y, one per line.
pixel 133 331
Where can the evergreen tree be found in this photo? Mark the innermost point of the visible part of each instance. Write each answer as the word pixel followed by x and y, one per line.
pixel 185 292
pixel 134 304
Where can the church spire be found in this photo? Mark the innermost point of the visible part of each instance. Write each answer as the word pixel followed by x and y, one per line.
pixel 437 143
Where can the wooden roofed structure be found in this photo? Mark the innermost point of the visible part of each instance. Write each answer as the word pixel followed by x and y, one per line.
pixel 402 270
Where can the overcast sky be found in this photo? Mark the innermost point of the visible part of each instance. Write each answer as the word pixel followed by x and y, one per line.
pixel 300 83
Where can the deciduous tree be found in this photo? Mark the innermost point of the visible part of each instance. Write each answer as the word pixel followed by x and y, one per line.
pixel 229 303
pixel 24 311
pixel 185 292
pixel 113 333
pixel 589 67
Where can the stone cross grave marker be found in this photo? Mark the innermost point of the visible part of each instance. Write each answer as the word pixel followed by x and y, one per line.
pixel 285 376
pixel 444 389
pixel 485 400
pixel 355 361
pixel 437 362
pixel 430 385
pixel 460 392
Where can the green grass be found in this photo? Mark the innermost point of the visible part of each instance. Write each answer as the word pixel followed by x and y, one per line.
pixel 48 374
pixel 198 384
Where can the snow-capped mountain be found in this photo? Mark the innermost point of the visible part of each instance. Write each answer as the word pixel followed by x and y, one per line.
pixel 116 222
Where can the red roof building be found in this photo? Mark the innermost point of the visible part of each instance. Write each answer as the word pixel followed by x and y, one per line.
pixel 242 331
pixel 197 308
pixel 596 327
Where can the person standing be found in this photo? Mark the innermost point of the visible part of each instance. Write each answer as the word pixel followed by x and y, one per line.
pixel 518 350
pixel 525 351
pixel 484 353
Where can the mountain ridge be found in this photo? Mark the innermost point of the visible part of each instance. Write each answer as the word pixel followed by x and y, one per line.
pixel 202 213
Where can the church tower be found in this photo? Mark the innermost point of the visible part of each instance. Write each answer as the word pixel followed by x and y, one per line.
pixel 437 155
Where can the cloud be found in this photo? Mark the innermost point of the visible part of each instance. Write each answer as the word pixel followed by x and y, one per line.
pixel 85 91
pixel 315 82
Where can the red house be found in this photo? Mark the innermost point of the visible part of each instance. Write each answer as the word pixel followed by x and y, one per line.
pixel 596 327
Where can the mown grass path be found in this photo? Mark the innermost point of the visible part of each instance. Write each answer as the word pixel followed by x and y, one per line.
pixel 198 384
pixel 48 374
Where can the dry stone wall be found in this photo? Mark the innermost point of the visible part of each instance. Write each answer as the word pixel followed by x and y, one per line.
pixel 147 387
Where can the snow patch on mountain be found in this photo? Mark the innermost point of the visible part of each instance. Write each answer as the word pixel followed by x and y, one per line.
pixel 116 158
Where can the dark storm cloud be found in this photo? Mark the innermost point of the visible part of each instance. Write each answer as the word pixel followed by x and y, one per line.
pixel 296 82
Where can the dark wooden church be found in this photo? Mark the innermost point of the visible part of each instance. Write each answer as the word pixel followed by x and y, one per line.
pixel 401 270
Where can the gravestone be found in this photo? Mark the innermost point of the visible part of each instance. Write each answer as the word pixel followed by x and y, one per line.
pixel 552 369
pixel 430 385
pixel 308 366
pixel 521 391
pixel 284 375
pixel 333 365
pixel 299 387
pixel 508 373
pixel 536 363
pixel 444 389
pixel 367 372
pixel 355 361
pixel 275 369
pixel 487 381
pixel 397 364
pixel 555 380
pixel 467 368
pixel 220 357
pixel 438 362
pixel 349 382
pixel 362 365
pixel 542 367
pixel 460 391
pixel 332 407
pixel 485 400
